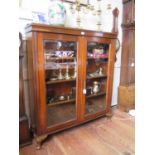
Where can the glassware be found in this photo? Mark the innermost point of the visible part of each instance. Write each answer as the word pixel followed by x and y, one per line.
pixel 96 87
pixel 67 77
pixel 100 71
pixel 75 73
pixel 60 76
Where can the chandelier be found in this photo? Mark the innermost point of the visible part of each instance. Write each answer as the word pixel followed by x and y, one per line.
pixel 78 6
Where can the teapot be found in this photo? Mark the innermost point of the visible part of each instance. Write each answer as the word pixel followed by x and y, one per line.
pixel 96 87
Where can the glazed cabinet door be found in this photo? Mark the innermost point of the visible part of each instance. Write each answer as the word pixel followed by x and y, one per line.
pixel 59 80
pixel 97 76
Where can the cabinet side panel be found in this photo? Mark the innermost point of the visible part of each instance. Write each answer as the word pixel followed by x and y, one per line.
pixel 21 88
pixel 40 80
pixel 31 78
pixel 110 74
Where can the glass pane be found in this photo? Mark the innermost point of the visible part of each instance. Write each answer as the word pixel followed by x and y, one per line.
pixel 97 58
pixel 60 77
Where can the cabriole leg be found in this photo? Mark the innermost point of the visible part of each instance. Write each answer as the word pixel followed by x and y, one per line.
pixel 39 140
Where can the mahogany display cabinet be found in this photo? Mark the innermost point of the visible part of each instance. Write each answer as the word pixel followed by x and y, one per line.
pixel 70 76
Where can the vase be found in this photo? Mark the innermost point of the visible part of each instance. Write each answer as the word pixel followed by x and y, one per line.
pixel 56 13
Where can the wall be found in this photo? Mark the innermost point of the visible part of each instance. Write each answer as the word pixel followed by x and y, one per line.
pixel 88 21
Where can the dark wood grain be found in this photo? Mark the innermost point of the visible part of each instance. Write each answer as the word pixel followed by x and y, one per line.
pixel 127 75
pixel 128 57
pixel 48 119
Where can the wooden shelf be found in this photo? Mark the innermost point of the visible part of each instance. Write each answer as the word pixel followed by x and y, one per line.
pixel 95 77
pixel 73 100
pixel 95 95
pixel 70 80
pixel 60 58
pixel 59 81
pixel 60 102
pixel 93 58
pixel 63 68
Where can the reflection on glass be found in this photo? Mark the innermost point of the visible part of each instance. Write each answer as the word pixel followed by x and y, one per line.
pixel 97 58
pixel 60 77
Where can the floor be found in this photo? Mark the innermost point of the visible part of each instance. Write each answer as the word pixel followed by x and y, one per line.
pixel 99 137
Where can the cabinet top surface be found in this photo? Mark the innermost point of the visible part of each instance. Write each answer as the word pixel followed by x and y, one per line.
pixel 35 27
